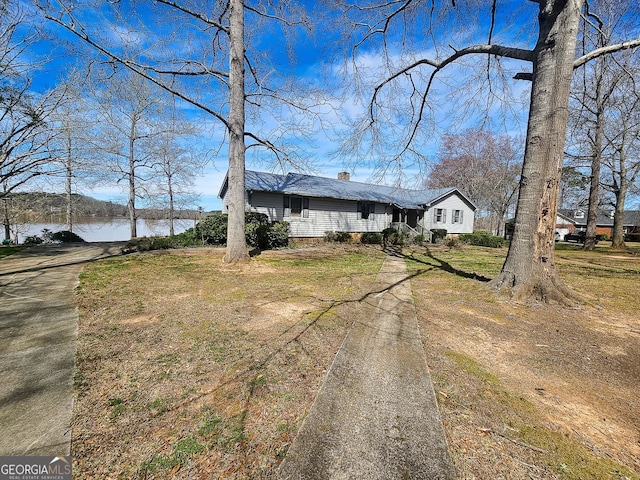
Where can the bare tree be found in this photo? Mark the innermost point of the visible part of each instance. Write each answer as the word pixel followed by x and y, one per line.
pixel 176 165
pixel 210 74
pixel 72 146
pixel 130 121
pixel 485 166
pixel 622 134
pixel 529 270
pixel 592 92
pixel 24 115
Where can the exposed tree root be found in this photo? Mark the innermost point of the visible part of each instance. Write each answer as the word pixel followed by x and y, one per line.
pixel 549 289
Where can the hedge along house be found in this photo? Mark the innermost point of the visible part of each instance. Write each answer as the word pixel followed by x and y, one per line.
pixel 315 205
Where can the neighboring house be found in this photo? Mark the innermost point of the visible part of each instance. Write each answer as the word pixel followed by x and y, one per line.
pixel 577 220
pixel 315 205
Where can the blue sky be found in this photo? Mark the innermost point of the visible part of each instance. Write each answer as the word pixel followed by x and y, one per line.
pixel 314 65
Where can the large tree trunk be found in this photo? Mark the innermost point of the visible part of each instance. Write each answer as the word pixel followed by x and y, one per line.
pixel 594 187
pixel 236 242
pixel 530 269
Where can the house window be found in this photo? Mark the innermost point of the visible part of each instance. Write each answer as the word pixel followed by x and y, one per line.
pixel 456 216
pixel 440 215
pixel 366 210
pixel 579 214
pixel 294 206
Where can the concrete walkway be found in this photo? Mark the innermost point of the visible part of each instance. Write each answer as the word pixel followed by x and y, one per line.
pixel 38 330
pixel 376 415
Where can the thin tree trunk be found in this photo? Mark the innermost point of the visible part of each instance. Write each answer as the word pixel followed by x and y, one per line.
pixel 529 269
pixel 618 219
pixel 5 219
pixel 68 186
pixel 171 207
pixel 621 196
pixel 236 243
pixel 132 186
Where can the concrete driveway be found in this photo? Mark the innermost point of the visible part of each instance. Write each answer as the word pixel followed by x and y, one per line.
pixel 38 330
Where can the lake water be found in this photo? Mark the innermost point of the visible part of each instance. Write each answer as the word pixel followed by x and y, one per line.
pixel 107 229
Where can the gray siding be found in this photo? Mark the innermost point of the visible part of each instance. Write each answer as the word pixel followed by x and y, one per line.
pixel 325 215
pixel 451 203
pixel 333 215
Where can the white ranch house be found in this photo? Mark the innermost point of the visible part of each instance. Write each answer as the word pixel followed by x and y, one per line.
pixel 315 205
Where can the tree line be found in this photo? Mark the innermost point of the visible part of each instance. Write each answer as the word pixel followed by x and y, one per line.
pixel 201 54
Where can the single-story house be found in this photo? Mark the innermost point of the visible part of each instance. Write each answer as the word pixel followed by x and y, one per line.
pixel 576 220
pixel 315 205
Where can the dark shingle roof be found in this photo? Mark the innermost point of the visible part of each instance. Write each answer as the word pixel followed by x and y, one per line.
pixel 631 218
pixel 322 187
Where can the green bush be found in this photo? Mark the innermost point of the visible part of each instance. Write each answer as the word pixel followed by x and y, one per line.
pixel 213 229
pixel 418 239
pixel 371 238
pixel 32 240
pixel 278 234
pixel 188 238
pixel 65 236
pixel 482 238
pixel 391 236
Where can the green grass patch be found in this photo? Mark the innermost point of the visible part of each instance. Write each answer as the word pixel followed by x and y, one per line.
pixel 6 250
pixel 472 367
pixel 181 453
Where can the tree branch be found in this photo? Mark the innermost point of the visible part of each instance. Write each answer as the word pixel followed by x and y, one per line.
pixel 197 15
pixel 598 52
pixel 138 69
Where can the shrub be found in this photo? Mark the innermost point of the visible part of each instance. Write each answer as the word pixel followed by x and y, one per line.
pixel 482 238
pixel 371 238
pixel 437 234
pixel 278 234
pixel 391 236
pixel 32 240
pixel 188 238
pixel 418 239
pixel 213 229
pixel 451 242
pixel 65 236
pixel 146 244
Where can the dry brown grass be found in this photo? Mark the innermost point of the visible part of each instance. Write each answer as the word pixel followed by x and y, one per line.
pixel 188 368
pixel 514 379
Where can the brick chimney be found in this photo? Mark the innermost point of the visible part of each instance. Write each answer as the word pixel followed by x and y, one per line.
pixel 344 176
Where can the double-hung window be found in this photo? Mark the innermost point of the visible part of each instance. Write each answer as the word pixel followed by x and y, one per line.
pixel 295 206
pixel 440 215
pixel 366 210
pixel 456 216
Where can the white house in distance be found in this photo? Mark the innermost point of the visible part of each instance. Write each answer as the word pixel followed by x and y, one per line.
pixel 315 205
